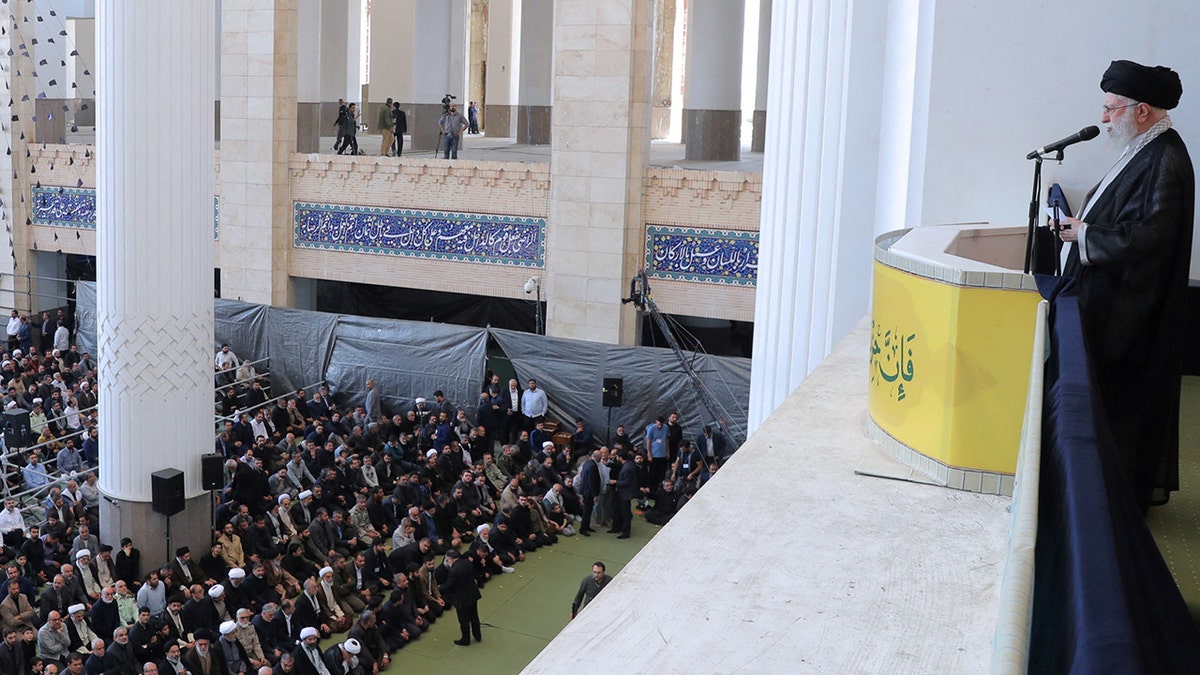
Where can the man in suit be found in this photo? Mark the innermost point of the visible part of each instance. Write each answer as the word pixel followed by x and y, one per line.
pixel 286 627
pixel 711 443
pixel 461 591
pixel 184 570
pixel 12 656
pixel 589 489
pixel 626 485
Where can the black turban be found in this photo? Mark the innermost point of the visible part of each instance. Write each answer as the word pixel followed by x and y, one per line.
pixel 1157 86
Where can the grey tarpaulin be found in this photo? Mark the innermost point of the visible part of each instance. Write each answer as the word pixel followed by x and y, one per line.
pixel 85 317
pixel 406 359
pixel 413 358
pixel 572 373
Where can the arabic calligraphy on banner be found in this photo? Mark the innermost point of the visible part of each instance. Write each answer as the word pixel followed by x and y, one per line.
pixel 891 359
pixel 64 207
pixel 471 237
pixel 707 256
pixel 57 206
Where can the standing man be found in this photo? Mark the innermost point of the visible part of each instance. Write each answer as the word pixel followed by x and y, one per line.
pixel 626 485
pixel 1130 252
pixel 13 330
pixel 589 489
pixel 656 448
pixel 371 404
pixel 461 591
pixel 337 124
pixel 534 405
pixel 387 127
pixel 473 118
pixel 348 130
pixel 589 588
pixel 452 125
pixel 401 127
pixel 511 403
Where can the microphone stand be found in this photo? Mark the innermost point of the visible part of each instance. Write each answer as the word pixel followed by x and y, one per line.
pixel 1033 208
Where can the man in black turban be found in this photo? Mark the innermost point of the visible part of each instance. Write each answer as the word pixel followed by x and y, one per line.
pixel 1130 252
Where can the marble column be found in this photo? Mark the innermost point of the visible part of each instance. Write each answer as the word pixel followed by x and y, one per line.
pixel 664 64
pixel 154 246
pixel 503 68
pixel 258 131
pixel 758 134
pixel 599 150
pixel 439 67
pixel 537 72
pixel 814 234
pixel 712 115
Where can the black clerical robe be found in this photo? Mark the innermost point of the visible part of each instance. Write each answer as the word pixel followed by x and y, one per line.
pixel 1132 297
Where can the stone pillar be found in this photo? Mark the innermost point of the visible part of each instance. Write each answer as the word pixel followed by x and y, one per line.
pixel 339 38
pixel 50 54
pixel 712 115
pixel 478 56
pixel 392 27
pixel 310 124
pixel 81 33
pixel 600 146
pixel 258 104
pixel 758 135
pixel 154 246
pixel 19 130
pixel 664 64
pixel 503 68
pixel 439 66
pixel 537 72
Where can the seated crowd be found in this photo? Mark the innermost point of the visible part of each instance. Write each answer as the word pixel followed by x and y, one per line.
pixel 330 522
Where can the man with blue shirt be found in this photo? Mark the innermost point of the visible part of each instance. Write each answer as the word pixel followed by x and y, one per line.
pixel 656 448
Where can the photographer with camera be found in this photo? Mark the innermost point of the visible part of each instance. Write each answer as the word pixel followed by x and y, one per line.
pixel 451 126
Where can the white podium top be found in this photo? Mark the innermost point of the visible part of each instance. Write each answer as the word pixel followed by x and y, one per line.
pixel 965 254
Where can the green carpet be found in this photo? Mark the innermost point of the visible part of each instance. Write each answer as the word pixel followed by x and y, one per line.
pixel 520 612
pixel 1176 526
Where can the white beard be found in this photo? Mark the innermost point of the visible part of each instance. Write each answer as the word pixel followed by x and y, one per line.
pixel 1122 132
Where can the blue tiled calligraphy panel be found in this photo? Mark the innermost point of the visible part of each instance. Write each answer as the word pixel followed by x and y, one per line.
pixel 64 207
pixel 76 207
pixel 727 257
pixel 471 237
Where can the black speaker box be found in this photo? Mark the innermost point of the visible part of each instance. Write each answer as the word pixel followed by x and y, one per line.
pixel 212 471
pixel 614 392
pixel 166 491
pixel 16 429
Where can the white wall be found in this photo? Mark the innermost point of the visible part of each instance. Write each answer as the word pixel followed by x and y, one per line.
pixel 1010 77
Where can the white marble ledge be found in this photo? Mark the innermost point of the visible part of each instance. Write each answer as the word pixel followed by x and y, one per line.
pixel 790 562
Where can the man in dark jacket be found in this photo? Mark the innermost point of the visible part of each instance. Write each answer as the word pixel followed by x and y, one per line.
pixel 589 489
pixel 460 590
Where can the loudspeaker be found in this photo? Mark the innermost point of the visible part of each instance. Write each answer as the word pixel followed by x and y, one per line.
pixel 614 392
pixel 212 472
pixel 16 429
pixel 166 491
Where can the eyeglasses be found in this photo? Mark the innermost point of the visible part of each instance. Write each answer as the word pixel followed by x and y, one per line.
pixel 1109 111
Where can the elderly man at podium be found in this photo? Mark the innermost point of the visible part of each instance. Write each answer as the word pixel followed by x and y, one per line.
pixel 1130 252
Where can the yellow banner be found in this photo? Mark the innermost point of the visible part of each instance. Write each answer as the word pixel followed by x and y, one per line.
pixel 950 368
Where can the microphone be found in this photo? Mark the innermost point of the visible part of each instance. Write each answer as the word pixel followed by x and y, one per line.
pixel 1084 134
